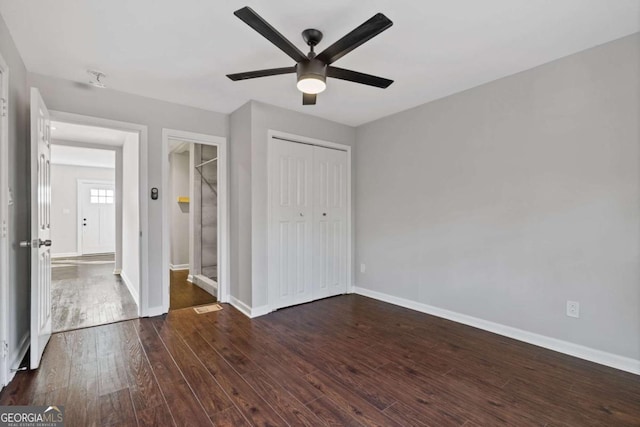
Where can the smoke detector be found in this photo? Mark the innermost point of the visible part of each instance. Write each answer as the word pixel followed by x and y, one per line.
pixel 96 78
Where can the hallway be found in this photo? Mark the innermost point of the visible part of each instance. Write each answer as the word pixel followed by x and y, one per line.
pixel 85 292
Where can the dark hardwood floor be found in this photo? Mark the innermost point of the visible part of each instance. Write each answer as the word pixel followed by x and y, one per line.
pixel 346 360
pixel 85 292
pixel 185 294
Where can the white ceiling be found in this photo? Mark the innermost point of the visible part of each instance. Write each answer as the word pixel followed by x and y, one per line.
pixel 80 156
pixel 180 51
pixel 87 134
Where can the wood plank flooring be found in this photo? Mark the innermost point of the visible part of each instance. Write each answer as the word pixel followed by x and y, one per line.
pixel 85 292
pixel 347 361
pixel 185 294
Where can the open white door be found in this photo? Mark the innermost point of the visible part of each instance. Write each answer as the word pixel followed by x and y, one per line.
pixel 40 228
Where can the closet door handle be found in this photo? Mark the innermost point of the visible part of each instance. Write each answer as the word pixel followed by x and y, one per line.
pixel 301 214
pixel 324 214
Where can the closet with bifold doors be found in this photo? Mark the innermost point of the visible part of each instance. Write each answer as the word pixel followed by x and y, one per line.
pixel 308 222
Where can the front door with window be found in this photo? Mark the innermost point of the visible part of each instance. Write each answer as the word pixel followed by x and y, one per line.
pixel 97 218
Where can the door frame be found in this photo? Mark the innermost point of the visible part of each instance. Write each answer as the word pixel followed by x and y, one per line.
pixel 79 184
pixel 224 247
pixel 275 134
pixel 143 204
pixel 4 224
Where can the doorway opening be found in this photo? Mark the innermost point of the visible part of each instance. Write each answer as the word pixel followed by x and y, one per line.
pixel 5 200
pixel 195 219
pixel 94 272
pixel 193 176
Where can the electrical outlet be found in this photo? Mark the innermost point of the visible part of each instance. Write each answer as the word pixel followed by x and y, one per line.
pixel 363 268
pixel 573 309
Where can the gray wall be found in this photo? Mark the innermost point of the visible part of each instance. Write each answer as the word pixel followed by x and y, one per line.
pixel 264 118
pixel 507 200
pixel 71 97
pixel 19 215
pixel 249 127
pixel 179 178
pixel 64 203
pixel 240 200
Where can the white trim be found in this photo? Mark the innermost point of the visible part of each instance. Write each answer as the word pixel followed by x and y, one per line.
pixel 576 350
pixel 65 255
pixel 142 131
pixel 260 311
pixel 210 286
pixel 132 290
pixel 223 209
pixel 117 271
pixel 178 267
pixel 242 307
pixel 155 311
pixel 321 143
pixel 79 204
pixel 190 278
pixel 4 222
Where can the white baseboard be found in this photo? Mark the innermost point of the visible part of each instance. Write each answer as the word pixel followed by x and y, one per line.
pixel 117 271
pixel 66 255
pixel 208 285
pixel 190 278
pixel 248 311
pixel 593 355
pixel 132 289
pixel 176 267
pixel 260 311
pixel 155 311
pixel 242 307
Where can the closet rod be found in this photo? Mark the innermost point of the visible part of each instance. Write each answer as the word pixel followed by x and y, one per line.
pixel 307 143
pixel 207 162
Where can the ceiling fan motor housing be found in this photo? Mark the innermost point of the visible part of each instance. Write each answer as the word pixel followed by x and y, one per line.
pixel 312 68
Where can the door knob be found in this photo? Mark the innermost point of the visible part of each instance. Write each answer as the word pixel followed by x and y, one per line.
pixel 25 244
pixel 46 243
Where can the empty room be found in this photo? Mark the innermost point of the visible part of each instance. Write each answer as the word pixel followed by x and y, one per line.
pixel 284 213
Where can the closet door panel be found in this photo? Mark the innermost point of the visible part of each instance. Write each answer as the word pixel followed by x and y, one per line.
pixel 330 222
pixel 291 238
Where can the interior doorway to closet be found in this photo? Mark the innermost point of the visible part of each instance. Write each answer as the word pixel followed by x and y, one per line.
pixel 193 211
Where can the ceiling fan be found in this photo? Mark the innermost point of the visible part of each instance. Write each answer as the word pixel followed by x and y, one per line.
pixel 312 70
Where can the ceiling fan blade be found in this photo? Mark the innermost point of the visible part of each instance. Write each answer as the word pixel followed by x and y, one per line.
pixel 309 98
pixel 354 76
pixel 256 22
pixel 371 28
pixel 261 73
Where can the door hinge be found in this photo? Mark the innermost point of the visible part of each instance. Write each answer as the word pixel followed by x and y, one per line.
pixel 3 108
pixel 5 349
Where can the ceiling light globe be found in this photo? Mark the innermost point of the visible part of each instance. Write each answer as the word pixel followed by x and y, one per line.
pixel 311 85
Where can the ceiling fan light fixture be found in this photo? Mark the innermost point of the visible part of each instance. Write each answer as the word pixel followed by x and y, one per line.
pixel 312 76
pixel 311 84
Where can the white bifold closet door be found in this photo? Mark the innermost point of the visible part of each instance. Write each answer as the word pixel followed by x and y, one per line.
pixel 330 222
pixel 308 229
